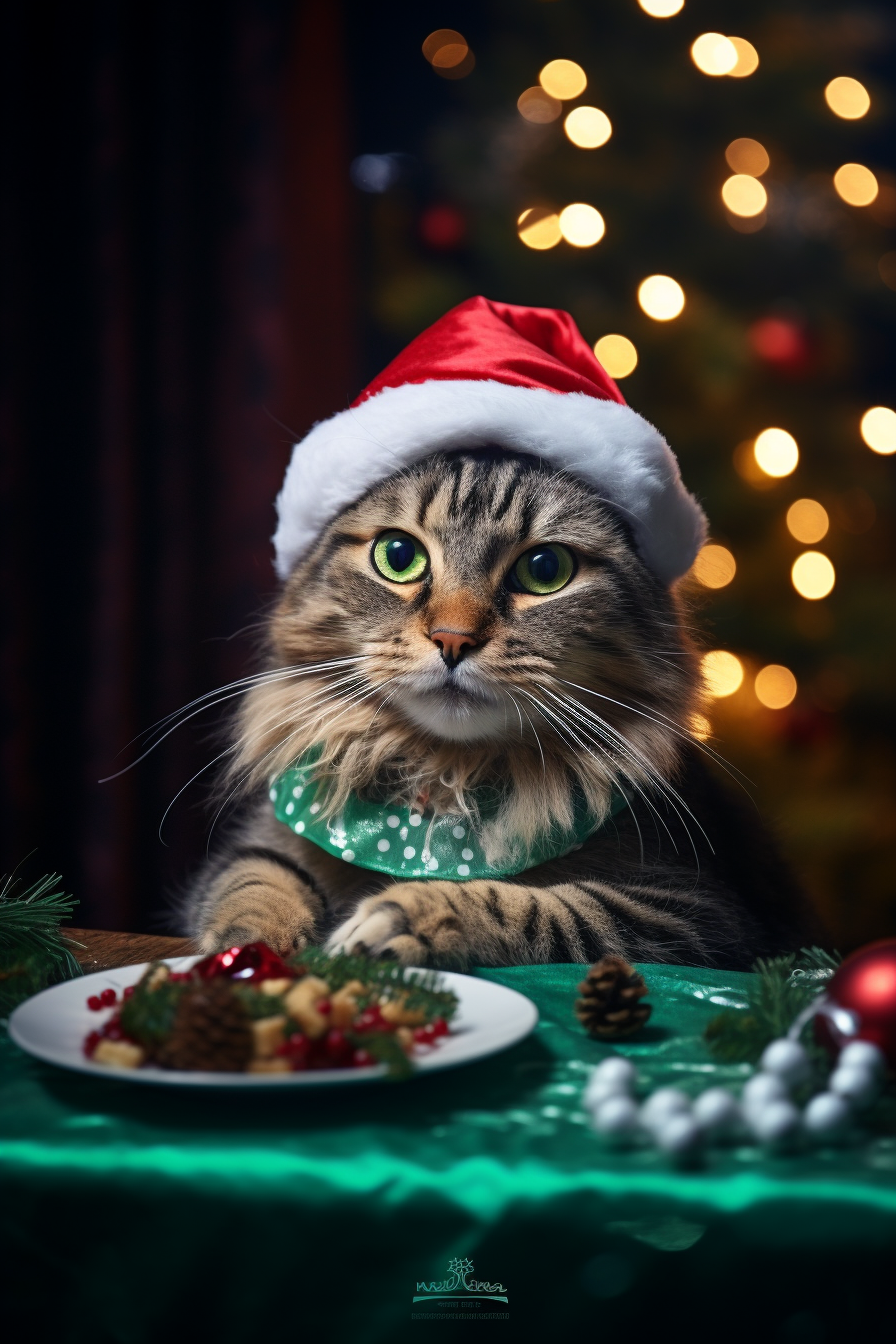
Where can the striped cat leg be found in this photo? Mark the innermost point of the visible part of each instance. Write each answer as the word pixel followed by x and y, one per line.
pixel 258 896
pixel 458 924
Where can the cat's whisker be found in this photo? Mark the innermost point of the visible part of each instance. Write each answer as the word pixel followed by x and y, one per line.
pixel 663 721
pixel 254 768
pixel 548 715
pixel 245 684
pixel 661 784
pixel 653 776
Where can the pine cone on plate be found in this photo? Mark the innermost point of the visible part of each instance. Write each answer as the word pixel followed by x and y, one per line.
pixel 211 1031
pixel 611 999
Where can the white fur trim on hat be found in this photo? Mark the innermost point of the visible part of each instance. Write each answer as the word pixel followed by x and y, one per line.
pixel 605 444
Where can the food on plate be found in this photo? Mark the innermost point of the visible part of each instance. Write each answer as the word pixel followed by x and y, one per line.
pixel 248 1010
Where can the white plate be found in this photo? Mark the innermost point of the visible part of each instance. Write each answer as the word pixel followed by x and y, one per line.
pixel 52 1026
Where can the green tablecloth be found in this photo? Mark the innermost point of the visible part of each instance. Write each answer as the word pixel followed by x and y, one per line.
pixel 131 1214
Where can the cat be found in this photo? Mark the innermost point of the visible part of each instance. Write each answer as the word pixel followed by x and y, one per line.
pixel 481 624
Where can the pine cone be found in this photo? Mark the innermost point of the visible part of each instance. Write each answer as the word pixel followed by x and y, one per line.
pixel 610 1003
pixel 211 1031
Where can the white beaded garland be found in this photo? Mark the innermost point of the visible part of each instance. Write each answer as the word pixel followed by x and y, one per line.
pixel 787 1060
pixel 661 1105
pixel 761 1091
pixel 863 1055
pixel 678 1133
pixel 858 1086
pixel 827 1114
pixel 616 1071
pixel 716 1110
pixel 617 1116
pixel 777 1121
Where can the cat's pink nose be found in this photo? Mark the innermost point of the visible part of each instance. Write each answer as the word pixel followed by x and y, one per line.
pixel 452 644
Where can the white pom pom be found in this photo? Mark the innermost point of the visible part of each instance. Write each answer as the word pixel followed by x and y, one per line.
pixel 858 1086
pixel 660 1105
pixel 862 1055
pixel 678 1134
pixel 787 1060
pixel 761 1090
pixel 775 1122
pixel 716 1110
pixel 617 1072
pixel 616 1117
pixel 827 1114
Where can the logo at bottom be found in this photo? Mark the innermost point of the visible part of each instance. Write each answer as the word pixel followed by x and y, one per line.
pixel 459 1295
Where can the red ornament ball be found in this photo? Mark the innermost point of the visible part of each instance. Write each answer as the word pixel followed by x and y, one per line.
pixel 863 989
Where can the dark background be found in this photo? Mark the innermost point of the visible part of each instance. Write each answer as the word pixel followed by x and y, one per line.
pixel 191 279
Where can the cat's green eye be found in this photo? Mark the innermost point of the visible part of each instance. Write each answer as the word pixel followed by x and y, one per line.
pixel 542 570
pixel 399 557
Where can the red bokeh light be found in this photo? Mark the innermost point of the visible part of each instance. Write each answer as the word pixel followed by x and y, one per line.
pixel 443 227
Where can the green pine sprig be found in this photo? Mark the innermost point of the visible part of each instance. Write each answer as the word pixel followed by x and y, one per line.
pixel 784 987
pixel 33 951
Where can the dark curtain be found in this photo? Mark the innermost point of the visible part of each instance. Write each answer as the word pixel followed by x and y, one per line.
pixel 177 308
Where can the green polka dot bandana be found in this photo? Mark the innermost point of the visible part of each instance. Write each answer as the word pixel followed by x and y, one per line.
pixel 408 843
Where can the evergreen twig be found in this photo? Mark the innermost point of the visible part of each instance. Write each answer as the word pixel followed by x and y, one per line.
pixel 33 950
pixel 784 987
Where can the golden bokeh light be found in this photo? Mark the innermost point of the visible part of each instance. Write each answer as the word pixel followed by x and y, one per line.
pixel 582 225
pixel 808 521
pixel 813 575
pixel 714 54
pixel 748 468
pixel 536 105
pixel 747 156
pixel 855 184
pixel 847 98
pixel 588 127
pixel 661 297
pixel 715 566
pixel 661 9
pixel 447 41
pixel 723 674
pixel 744 195
pixel 776 452
pixel 539 228
pixel 563 79
pixel 775 686
pixel 701 728
pixel 878 429
pixel 617 355
pixel 747 58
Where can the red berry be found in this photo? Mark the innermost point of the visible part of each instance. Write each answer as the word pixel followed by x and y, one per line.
pixel 440 1027
pixel 94 1003
pixel 324 1007
pixel 108 998
pixel 129 991
pixel 91 1041
pixel 338 1049
pixel 112 1030
pixel 362 1059
pixel 424 1035
pixel 370 1020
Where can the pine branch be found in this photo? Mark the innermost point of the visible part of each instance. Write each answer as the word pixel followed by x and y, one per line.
pixel 783 988
pixel 33 950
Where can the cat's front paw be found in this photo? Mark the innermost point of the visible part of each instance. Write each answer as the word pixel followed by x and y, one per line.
pixel 258 902
pixel 416 923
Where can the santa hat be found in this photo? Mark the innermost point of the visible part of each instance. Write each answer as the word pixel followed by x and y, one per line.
pixel 495 374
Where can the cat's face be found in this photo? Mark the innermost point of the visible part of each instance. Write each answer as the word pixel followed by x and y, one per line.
pixel 481 590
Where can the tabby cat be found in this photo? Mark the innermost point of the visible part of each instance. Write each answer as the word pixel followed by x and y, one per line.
pixel 477 639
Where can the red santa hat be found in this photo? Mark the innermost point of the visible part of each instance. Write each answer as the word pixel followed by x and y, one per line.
pixel 495 374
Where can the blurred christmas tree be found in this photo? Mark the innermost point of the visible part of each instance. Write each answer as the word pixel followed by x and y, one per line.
pixel 560 153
